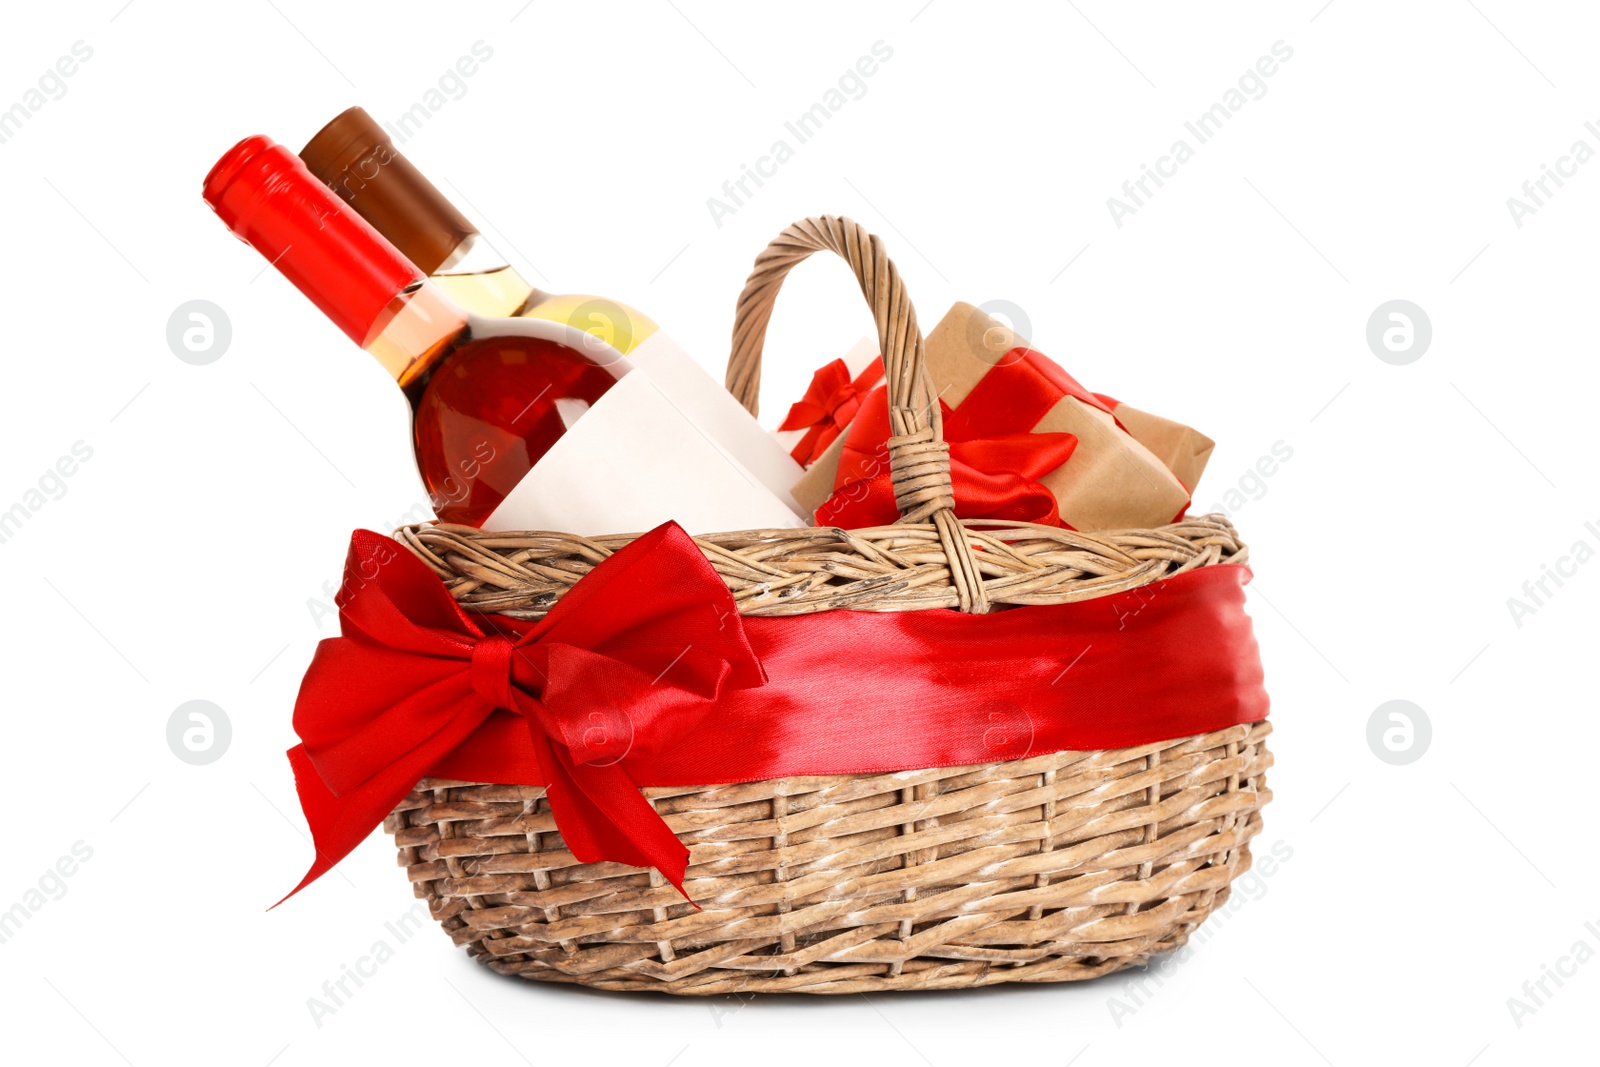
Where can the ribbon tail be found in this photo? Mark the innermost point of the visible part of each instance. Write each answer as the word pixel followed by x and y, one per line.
pixel 341 822
pixel 602 816
pixel 810 447
pixel 337 824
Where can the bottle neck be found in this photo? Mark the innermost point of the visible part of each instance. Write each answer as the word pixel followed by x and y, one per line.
pixel 473 255
pixel 478 278
pixel 415 329
pixel 353 155
pixel 265 195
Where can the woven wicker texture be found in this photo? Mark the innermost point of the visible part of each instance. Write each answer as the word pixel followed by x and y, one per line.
pixel 793 572
pixel 1049 869
pixel 1046 869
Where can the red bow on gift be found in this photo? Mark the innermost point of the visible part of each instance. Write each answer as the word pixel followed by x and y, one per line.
pixel 996 460
pixel 830 403
pixel 630 659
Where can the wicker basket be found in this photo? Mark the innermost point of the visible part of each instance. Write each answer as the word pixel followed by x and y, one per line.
pixel 1046 869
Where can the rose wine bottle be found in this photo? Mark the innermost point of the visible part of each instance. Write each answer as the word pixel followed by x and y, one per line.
pixel 488 397
pixel 353 156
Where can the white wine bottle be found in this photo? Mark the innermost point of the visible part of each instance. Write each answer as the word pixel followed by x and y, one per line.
pixel 354 157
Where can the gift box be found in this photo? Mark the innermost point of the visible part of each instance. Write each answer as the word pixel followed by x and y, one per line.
pixel 831 403
pixel 1183 450
pixel 1028 443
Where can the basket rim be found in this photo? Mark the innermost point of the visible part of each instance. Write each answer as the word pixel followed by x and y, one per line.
pixel 783 572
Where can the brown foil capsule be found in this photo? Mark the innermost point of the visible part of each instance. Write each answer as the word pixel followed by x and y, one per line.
pixel 354 157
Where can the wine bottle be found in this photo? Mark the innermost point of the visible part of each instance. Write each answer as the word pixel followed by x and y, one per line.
pixel 355 158
pixel 490 398
pixel 487 402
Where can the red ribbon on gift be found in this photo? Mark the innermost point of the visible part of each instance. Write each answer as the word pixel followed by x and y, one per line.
pixel 830 404
pixel 644 674
pixel 996 460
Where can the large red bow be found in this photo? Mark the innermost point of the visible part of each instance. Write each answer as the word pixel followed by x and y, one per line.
pixel 626 663
pixel 830 404
pixel 996 460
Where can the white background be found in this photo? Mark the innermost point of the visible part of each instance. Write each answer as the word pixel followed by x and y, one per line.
pixel 179 562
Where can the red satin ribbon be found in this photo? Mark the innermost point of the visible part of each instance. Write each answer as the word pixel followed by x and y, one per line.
pixel 996 460
pixel 830 403
pixel 644 674
pixel 630 659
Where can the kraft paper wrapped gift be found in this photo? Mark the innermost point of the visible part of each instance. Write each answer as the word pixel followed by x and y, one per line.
pixel 1114 479
pixel 1184 451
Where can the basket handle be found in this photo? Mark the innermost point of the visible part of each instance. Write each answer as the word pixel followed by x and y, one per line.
pixel 919 460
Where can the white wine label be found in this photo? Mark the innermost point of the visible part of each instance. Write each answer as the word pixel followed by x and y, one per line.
pixel 711 407
pixel 634 460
